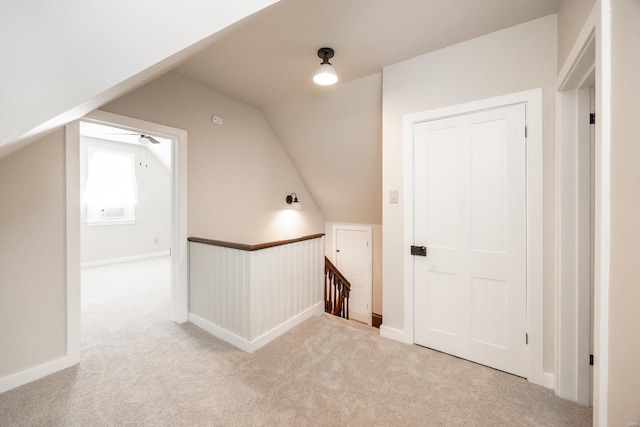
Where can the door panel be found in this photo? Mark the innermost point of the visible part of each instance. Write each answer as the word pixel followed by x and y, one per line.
pixel 470 213
pixel 489 312
pixel 488 192
pixel 441 161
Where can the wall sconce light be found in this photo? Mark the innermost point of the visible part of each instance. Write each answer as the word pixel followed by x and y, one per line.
pixel 292 199
pixel 325 75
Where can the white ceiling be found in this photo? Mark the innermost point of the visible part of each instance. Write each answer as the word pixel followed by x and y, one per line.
pixel 333 134
pixel 272 55
pixel 162 150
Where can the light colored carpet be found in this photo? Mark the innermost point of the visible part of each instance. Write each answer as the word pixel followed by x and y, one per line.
pixel 139 368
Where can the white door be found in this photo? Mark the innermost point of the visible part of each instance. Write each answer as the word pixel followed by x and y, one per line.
pixel 353 259
pixel 470 213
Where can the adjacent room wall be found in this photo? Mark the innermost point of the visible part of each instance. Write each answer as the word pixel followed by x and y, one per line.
pixel 238 173
pixel 32 255
pixel 507 61
pixel 572 15
pixel 624 290
pixel 153 210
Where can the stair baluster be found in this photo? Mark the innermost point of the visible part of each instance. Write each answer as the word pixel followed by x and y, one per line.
pixel 336 291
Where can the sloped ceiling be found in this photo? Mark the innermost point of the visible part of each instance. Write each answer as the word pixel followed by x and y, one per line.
pixel 333 134
pixel 65 58
pixel 338 157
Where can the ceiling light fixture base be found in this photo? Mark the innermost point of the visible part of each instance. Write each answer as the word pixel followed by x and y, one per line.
pixel 326 53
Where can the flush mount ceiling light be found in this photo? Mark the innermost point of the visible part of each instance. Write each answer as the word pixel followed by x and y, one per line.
pixel 292 199
pixel 325 75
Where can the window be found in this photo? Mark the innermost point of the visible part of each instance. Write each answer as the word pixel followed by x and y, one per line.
pixel 111 192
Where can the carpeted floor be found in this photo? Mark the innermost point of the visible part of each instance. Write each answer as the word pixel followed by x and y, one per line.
pixel 139 368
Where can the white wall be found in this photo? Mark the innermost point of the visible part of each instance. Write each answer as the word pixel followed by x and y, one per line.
pixel 238 173
pixel 507 61
pixel 153 210
pixel 572 15
pixel 82 54
pixel 624 291
pixel 32 256
pixel 334 138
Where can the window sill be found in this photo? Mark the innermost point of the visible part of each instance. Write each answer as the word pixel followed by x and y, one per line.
pixel 111 222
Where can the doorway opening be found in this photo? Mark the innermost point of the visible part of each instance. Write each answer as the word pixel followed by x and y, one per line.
pixel 125 202
pixel 106 208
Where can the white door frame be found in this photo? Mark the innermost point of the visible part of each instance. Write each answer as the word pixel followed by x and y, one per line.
pixel 369 280
pixel 179 261
pixel 533 101
pixel 573 170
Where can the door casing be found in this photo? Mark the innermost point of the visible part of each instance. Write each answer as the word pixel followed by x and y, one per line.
pixel 573 170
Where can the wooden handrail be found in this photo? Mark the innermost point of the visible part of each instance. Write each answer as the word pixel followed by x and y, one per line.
pixel 336 291
pixel 256 247
pixel 329 265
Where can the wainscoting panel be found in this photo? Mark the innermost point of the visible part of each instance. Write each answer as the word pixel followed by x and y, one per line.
pixel 286 281
pixel 219 286
pixel 250 296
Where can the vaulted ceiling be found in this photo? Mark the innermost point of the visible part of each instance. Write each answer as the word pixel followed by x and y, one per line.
pixel 333 134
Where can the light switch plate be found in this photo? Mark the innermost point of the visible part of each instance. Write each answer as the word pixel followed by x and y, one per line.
pixel 393 196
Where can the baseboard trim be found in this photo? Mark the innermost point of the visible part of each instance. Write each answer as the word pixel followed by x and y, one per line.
pixel 251 346
pixel 549 381
pixel 124 259
pixel 315 310
pixel 37 372
pixel 221 333
pixel 395 334
pixel 376 320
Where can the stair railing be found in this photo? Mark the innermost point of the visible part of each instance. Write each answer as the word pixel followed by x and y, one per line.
pixel 336 291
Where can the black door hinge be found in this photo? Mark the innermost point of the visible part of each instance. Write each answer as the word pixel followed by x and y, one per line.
pixel 591 359
pixel 526 339
pixel 592 118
